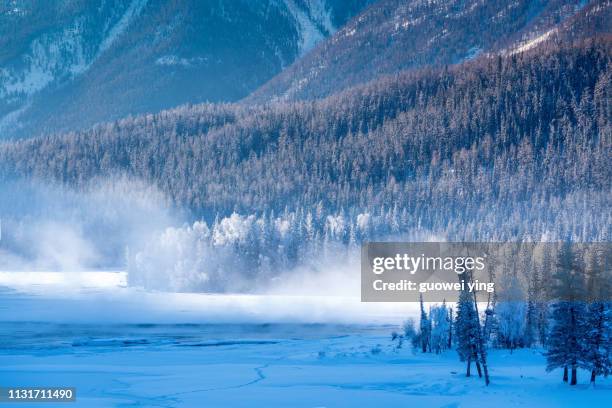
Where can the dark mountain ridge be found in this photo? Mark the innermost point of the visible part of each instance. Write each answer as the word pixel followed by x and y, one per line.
pixel 393 35
pixel 66 65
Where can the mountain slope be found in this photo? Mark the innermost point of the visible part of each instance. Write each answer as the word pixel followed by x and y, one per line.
pixel 446 147
pixel 393 35
pixel 69 64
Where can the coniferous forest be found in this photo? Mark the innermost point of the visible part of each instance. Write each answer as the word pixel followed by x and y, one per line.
pixel 446 147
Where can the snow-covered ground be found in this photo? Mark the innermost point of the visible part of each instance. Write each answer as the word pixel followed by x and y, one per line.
pixel 124 347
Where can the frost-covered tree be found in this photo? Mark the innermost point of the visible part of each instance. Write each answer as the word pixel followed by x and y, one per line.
pixel 510 328
pixel 440 328
pixel 408 333
pixel 510 314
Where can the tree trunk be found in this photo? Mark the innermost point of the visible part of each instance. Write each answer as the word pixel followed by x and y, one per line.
pixel 450 328
pixel 593 377
pixel 481 345
pixel 478 368
pixel 574 380
pixel 469 366
pixel 565 374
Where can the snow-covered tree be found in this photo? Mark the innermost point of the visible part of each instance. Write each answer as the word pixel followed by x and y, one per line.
pixel 510 324
pixel 408 333
pixel 440 328
pixel 511 315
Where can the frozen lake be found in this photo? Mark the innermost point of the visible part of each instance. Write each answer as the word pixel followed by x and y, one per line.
pixel 103 297
pixel 125 347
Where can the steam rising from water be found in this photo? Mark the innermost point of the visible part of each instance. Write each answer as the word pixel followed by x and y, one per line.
pixel 55 241
pixel 53 236
pixel 102 298
pixel 57 228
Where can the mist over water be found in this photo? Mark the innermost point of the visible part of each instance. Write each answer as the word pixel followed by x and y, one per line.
pixel 116 251
pixel 58 228
pixel 128 225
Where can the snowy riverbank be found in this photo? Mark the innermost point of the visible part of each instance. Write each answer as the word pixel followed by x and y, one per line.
pixel 271 366
pixel 121 346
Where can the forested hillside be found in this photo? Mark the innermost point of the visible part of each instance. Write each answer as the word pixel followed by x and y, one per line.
pixel 499 147
pixel 393 35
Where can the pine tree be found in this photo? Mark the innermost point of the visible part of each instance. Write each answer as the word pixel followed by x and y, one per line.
pixel 466 329
pixel 450 327
pixel 546 285
pixel 425 328
pixel 564 342
pixel 598 340
pixel 598 322
pixel 531 316
pixel 530 323
pixel 564 345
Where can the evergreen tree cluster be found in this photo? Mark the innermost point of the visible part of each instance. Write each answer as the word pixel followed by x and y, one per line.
pixel 576 326
pixel 581 332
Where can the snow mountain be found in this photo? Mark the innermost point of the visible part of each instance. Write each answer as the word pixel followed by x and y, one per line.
pixel 68 64
pixel 394 35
